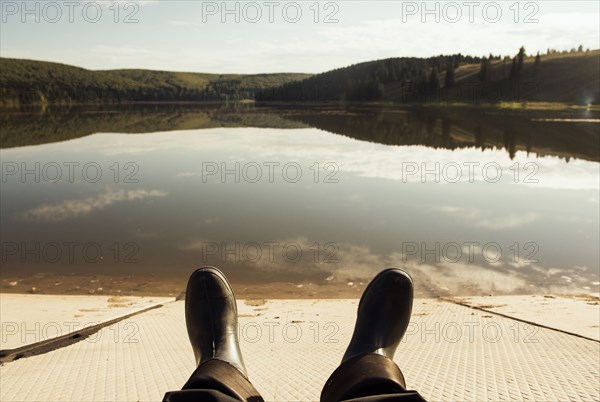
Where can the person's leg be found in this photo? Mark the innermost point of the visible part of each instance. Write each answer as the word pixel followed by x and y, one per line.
pixel 215 380
pixel 211 320
pixel 367 371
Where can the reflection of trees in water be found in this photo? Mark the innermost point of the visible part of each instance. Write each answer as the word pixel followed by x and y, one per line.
pixel 478 137
pixel 510 143
pixel 35 126
pixel 435 127
pixel 453 128
pixel 446 128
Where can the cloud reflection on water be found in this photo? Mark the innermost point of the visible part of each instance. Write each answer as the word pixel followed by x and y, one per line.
pixel 80 207
pixel 364 159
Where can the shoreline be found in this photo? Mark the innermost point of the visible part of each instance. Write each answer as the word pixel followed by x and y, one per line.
pixel 154 286
pixel 149 285
pixel 499 105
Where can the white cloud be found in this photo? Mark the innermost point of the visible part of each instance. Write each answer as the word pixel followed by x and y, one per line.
pixel 81 207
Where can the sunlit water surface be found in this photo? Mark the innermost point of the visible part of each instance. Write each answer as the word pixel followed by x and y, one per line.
pixel 300 205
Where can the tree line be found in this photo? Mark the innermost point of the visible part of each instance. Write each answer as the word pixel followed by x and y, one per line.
pixel 387 79
pixel 29 82
pixel 367 81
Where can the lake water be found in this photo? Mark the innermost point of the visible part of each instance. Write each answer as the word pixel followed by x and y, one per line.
pixel 468 200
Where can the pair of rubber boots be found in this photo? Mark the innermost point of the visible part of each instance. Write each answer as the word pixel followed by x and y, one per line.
pixel 383 316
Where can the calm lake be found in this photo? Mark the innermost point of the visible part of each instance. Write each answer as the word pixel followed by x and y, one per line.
pixel 469 200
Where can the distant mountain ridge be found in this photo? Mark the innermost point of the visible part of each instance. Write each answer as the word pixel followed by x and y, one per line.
pixel 27 82
pixel 556 77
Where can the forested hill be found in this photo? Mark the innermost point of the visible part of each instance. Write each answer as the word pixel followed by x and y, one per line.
pixel 26 82
pixel 564 77
pixel 366 81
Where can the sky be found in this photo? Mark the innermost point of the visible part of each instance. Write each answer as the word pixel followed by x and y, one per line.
pixel 284 36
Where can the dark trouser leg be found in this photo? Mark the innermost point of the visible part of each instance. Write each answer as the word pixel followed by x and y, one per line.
pixel 215 380
pixel 368 378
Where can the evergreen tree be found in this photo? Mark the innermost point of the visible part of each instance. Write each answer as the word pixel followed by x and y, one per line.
pixel 485 71
pixel 449 81
pixel 538 61
pixel 380 90
pixel 482 71
pixel 521 60
pixel 421 86
pixel 434 80
pixel 513 69
pixel 580 48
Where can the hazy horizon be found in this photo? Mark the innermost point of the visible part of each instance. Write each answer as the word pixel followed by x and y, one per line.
pixel 192 37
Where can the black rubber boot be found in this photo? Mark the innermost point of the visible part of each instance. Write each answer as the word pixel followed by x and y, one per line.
pixel 383 315
pixel 367 371
pixel 211 318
